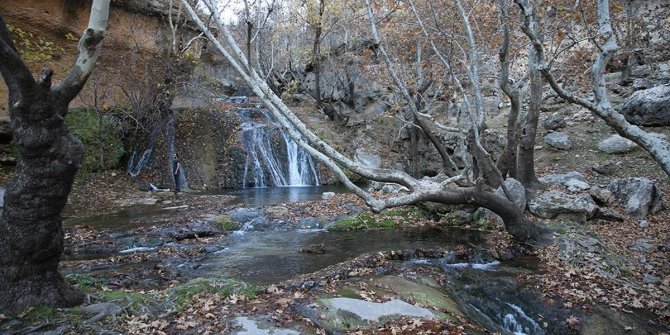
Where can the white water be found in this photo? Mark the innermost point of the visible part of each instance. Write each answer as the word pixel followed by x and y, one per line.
pixel 273 158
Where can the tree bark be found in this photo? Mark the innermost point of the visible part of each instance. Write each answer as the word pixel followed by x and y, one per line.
pixel 31 235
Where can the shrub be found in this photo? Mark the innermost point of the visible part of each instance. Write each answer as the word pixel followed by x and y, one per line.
pixel 84 123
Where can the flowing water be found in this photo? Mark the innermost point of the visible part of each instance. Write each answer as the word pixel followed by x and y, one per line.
pixel 273 158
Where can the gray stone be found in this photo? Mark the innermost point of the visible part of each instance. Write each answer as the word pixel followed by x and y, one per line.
pixel 101 311
pixel 642 245
pixel 276 212
pixel 639 196
pixel 554 123
pixel 609 214
pixel 606 169
pixel 555 204
pixel 574 185
pixel 309 223
pixel 327 195
pixel 558 140
pixel 256 327
pixel 649 279
pixel 368 159
pixel 643 224
pixel 649 107
pixel 616 145
pixel 602 196
pixel 2 197
pixel 249 218
pixel 372 311
pixel 518 193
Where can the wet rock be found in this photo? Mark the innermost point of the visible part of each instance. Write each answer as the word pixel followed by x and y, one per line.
pixel 249 218
pixel 555 204
pixel 639 196
pixel 650 107
pixel 420 293
pixel 348 314
pixel 309 223
pixel 327 195
pixel 616 145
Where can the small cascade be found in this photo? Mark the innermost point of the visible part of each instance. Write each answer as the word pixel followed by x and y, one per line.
pixel 273 158
pixel 134 168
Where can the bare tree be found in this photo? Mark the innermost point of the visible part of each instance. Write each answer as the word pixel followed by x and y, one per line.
pixel 31 235
pixel 656 146
pixel 439 189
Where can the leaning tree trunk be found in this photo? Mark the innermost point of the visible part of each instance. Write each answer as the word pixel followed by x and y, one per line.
pixel 31 234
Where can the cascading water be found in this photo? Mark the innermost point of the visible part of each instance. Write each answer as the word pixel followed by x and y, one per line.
pixel 273 158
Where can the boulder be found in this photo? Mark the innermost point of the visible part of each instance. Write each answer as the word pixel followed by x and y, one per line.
pixel 327 195
pixel 555 204
pixel 517 191
pixel 572 181
pixel 616 145
pixel 249 218
pixel 368 159
pixel 575 185
pixel 558 140
pixel 602 196
pixel 639 196
pixel 347 311
pixel 650 107
pixel 276 212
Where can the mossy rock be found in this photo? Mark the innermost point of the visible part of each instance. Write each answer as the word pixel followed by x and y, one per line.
pixel 388 219
pixel 224 222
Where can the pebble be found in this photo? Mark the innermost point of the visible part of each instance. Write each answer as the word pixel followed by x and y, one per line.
pixel 644 224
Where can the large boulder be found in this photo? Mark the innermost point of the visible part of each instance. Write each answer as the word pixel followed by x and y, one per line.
pixel 616 145
pixel 518 192
pixel 649 107
pixel 555 204
pixel 558 140
pixel 639 196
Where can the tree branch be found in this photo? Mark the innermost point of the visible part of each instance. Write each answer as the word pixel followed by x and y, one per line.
pixel 14 71
pixel 89 50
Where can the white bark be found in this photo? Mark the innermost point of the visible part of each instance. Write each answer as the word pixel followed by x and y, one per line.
pixel 657 147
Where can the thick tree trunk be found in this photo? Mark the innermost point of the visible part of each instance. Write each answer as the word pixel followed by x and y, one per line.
pixel 31 235
pixel 526 160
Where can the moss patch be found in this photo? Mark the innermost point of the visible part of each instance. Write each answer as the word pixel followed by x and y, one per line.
pixel 396 218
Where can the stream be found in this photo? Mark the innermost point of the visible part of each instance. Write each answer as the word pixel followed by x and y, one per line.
pixel 485 290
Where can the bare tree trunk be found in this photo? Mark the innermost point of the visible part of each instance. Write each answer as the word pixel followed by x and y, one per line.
pixel 526 160
pixel 31 235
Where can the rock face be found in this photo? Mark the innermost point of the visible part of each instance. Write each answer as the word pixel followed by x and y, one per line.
pixel 616 145
pixel 649 107
pixel 555 204
pixel 558 140
pixel 639 196
pixel 517 191
pixel 371 311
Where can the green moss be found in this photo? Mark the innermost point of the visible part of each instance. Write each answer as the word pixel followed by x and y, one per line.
pixel 82 281
pixel 182 295
pixel 224 222
pixel 348 292
pixel 41 312
pixel 385 220
pixel 84 123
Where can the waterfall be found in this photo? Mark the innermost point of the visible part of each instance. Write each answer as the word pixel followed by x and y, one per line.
pixel 273 158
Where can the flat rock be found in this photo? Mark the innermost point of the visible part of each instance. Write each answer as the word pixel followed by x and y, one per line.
pixel 347 313
pixel 558 140
pixel 616 145
pixel 257 327
pixel 560 178
pixel 574 185
pixel 639 196
pixel 555 204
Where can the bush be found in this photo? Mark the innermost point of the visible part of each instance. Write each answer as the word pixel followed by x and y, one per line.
pixel 84 124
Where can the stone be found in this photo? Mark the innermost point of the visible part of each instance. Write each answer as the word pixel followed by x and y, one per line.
pixel 606 169
pixel 256 327
pixel 309 223
pixel 574 185
pixel 249 218
pixel 276 212
pixel 616 145
pixel 602 196
pixel 327 195
pixel 650 107
pixel 554 123
pixel 639 196
pixel 558 140
pixel 518 193
pixel 555 204
pixel 609 214
pixel 643 224
pixel 371 311
pixel 101 311
pixel 368 159
pixel 649 279
pixel 642 245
